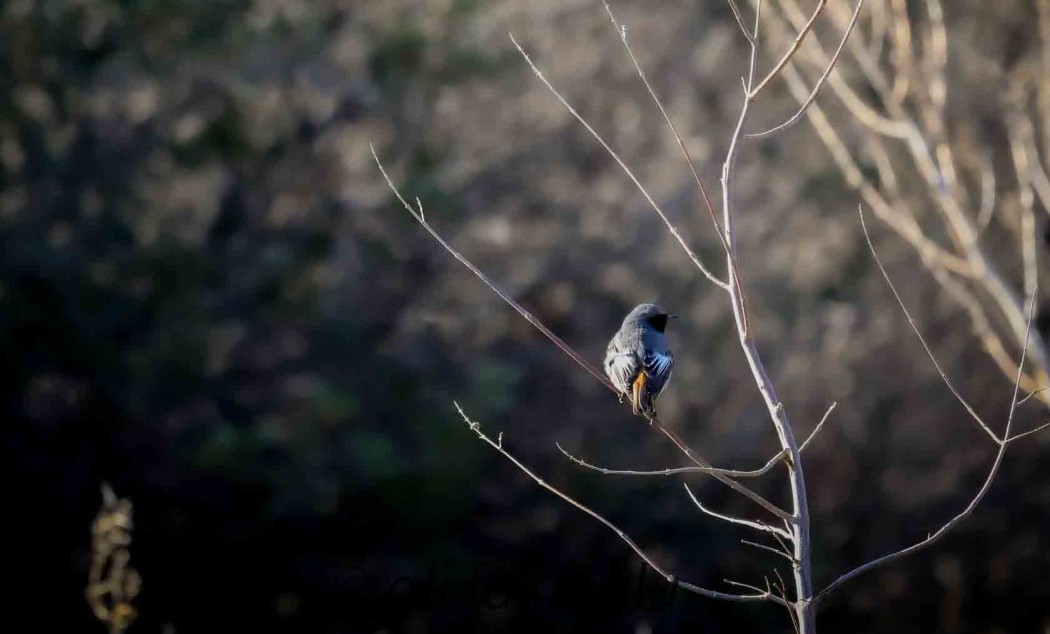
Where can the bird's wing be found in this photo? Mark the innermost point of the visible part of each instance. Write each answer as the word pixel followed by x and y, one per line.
pixel 621 367
pixel 658 367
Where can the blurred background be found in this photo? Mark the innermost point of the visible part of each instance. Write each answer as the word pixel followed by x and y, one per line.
pixel 210 300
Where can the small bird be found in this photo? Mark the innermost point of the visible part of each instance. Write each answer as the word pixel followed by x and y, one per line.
pixel 638 360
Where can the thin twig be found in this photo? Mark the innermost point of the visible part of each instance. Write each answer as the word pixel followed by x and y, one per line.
pixel 732 473
pixel 1027 433
pixel 981 325
pixel 783 544
pixel 915 328
pixel 476 428
pixel 973 503
pixel 816 429
pixel 652 203
pixel 743 585
pixel 622 31
pixel 761 526
pixel 772 597
pixel 783 592
pixel 752 93
pixel 903 224
pixel 795 118
pixel 768 549
pixel 1030 395
pixel 566 348
pixel 849 97
pixel 740 21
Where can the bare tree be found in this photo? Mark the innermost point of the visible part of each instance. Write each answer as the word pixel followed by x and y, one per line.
pixel 788 528
pixel 935 178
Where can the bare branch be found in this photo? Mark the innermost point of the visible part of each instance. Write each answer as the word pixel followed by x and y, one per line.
pixel 982 327
pixel 915 329
pixel 772 597
pixel 732 473
pixel 731 483
pixel 857 106
pixel 903 224
pixel 769 549
pixel 816 429
pixel 740 21
pixel 1019 134
pixel 622 32
pixel 887 175
pixel 743 585
pixel 1027 433
pixel 969 507
pixel 652 203
pixel 1033 393
pixel 820 82
pixel 790 52
pixel 1024 149
pixel 934 164
pixel 903 60
pixel 566 348
pixel 938 56
pixel 761 526
pixel 984 216
pixel 783 593
pixel 783 545
pixel 498 446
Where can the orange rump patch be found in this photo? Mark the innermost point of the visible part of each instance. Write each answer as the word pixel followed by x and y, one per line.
pixel 637 389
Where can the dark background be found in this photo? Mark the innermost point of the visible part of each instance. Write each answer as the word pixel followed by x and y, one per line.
pixel 209 300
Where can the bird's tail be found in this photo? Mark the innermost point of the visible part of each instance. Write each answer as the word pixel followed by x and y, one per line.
pixel 641 403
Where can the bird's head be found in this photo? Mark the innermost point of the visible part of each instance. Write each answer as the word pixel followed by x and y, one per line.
pixel 652 314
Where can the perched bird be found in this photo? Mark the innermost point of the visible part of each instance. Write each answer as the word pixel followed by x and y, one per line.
pixel 638 360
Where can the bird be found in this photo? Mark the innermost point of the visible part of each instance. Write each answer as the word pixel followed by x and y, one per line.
pixel 638 360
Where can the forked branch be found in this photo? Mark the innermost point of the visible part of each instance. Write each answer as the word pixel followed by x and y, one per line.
pixel 929 352
pixel 933 537
pixel 761 526
pixel 670 578
pixel 752 93
pixel 795 118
